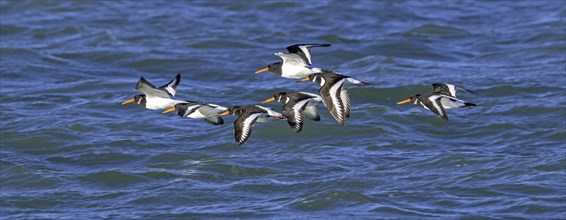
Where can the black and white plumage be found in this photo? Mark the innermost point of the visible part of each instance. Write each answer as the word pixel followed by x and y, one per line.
pixel 166 90
pixel 304 50
pixel 297 104
pixel 296 64
pixel 447 89
pixel 334 92
pixel 443 97
pixel 209 112
pixel 155 98
pixel 248 115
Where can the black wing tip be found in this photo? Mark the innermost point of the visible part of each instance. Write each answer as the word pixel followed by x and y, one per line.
pixel 318 45
pixel 341 122
pixel 464 89
pixel 240 142
pixel 178 78
pixel 467 90
pixel 296 128
pixel 312 45
pixel 469 104
pixel 143 81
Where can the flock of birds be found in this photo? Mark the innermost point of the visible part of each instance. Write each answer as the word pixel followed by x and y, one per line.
pixel 296 64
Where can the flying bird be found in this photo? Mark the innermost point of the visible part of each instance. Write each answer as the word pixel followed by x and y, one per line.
pixel 447 89
pixel 297 104
pixel 189 109
pixel 334 92
pixel 296 64
pixel 442 97
pixel 248 115
pixel 156 98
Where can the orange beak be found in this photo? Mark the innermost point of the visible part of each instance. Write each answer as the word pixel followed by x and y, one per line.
pixel 262 70
pixel 304 79
pixel 224 113
pixel 404 101
pixel 168 110
pixel 268 100
pixel 128 101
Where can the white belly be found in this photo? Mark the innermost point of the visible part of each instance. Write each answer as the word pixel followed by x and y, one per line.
pixel 197 114
pixel 295 72
pixel 157 103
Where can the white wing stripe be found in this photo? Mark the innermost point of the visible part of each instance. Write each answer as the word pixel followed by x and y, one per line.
pixel 305 50
pixel 333 95
pixel 452 89
pixel 247 125
pixel 435 104
pixel 291 59
pixel 170 90
pixel 297 110
pixel 300 105
pixel 270 112
pixel 345 101
pixel 312 95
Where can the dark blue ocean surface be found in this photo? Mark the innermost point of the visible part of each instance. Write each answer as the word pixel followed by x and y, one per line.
pixel 70 150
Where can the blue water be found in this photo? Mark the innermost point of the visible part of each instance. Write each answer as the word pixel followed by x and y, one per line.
pixel 70 150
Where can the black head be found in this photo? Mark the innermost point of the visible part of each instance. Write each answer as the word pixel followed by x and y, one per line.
pixel 272 67
pixel 281 97
pixel 317 78
pixel 140 99
pixel 234 110
pixel 275 68
pixel 181 108
pixel 411 99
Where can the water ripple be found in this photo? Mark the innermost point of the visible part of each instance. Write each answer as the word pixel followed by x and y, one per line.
pixel 70 150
